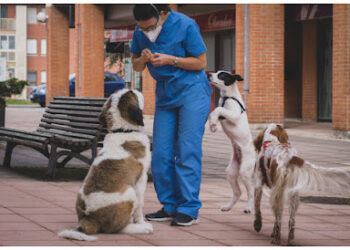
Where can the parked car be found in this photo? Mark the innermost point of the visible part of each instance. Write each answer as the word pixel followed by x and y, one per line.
pixel 112 82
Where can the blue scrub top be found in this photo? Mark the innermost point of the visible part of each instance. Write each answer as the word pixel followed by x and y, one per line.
pixel 180 36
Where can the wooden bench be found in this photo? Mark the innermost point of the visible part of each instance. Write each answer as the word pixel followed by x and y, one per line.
pixel 68 127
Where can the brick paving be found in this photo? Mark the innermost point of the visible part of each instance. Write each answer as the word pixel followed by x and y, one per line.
pixel 32 211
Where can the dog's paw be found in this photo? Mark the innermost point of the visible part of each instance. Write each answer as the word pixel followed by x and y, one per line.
pixel 225 208
pixel 257 225
pixel 246 211
pixel 276 241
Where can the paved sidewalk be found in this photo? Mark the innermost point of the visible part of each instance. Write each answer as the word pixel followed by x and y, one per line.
pixel 32 212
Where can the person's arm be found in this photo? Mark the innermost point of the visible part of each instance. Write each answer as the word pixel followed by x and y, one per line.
pixel 138 63
pixel 189 63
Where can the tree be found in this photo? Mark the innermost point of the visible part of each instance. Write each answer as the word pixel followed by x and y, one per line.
pixel 9 87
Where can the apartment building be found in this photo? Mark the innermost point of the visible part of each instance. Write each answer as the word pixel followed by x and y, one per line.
pixel 23 43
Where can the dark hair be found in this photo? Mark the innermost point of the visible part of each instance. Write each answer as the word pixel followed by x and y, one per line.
pixel 146 11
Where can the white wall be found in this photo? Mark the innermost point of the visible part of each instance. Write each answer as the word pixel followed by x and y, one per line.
pixel 21 45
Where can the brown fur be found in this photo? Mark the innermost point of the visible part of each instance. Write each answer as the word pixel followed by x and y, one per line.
pixel 136 148
pixel 113 175
pixel 129 108
pixel 273 172
pixel 110 219
pixel 296 161
pixel 281 134
pixel 259 140
pixel 106 116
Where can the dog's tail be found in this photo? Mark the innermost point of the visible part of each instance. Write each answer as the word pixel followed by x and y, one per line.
pixel 76 235
pixel 311 177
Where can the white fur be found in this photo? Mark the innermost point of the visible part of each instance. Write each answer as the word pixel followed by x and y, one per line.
pixel 72 234
pixel 113 149
pixel 236 127
pixel 97 200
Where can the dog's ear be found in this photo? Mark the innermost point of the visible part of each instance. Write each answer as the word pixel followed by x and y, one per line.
pixel 129 108
pixel 258 141
pixel 238 78
pixel 135 114
pixel 282 134
pixel 106 106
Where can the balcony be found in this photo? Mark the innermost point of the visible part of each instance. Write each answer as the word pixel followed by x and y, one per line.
pixel 8 24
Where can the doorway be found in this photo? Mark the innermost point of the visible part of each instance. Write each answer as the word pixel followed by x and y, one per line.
pixel 324 70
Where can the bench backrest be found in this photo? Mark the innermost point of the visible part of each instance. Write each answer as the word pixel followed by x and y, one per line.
pixel 74 117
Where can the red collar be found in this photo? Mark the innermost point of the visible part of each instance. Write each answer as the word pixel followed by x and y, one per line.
pixel 265 145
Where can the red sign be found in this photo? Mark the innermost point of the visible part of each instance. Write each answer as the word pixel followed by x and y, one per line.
pixel 121 33
pixel 220 20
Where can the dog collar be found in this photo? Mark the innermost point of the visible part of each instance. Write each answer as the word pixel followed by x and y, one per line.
pixel 122 130
pixel 265 145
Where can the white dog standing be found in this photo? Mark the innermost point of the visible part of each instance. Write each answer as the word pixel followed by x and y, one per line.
pixel 234 121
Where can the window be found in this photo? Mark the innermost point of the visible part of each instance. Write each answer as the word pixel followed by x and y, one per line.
pixel 11 72
pixel 3 12
pixel 43 47
pixel 31 15
pixel 31 76
pixel 3 42
pixel 43 77
pixel 7 42
pixel 12 44
pixel 31 47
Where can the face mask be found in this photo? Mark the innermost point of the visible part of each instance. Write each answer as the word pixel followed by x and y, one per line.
pixel 153 34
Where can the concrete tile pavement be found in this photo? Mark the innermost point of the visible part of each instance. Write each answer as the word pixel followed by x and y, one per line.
pixel 30 216
pixel 32 212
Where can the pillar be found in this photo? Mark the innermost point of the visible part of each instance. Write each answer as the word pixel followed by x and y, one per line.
pixel 341 66
pixel 265 101
pixel 57 52
pixel 89 24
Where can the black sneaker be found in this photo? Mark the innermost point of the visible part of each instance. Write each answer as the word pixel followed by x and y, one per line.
pixel 160 215
pixel 183 220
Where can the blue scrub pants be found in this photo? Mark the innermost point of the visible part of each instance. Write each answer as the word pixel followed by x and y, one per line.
pixel 177 153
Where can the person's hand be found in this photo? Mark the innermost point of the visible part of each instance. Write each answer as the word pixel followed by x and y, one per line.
pixel 161 59
pixel 146 55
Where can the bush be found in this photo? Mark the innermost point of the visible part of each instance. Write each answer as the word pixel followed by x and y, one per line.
pixel 10 87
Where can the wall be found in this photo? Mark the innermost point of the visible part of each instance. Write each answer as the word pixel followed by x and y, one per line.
pixel 265 102
pixel 341 66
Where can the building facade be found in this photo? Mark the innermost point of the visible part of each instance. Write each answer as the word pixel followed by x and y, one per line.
pixel 297 61
pixel 24 43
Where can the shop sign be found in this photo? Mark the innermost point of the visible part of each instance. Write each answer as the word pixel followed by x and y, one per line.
pixel 313 11
pixel 219 20
pixel 119 35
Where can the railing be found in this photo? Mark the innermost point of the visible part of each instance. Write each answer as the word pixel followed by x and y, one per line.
pixel 7 24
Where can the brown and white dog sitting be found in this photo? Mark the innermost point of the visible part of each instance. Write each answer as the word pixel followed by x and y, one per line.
pixel 111 197
pixel 280 168
pixel 234 121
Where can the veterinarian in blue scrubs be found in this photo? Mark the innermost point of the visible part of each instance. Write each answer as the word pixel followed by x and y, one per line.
pixel 171 46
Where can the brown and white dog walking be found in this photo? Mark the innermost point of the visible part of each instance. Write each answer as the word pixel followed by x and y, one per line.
pixel 280 168
pixel 111 197
pixel 234 121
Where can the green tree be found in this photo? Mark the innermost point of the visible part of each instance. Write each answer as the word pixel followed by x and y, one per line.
pixel 9 87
